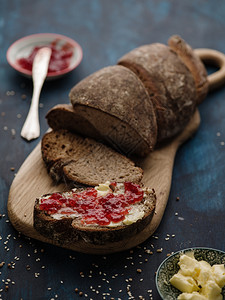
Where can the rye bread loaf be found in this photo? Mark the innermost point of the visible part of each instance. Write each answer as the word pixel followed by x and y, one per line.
pixel 115 102
pixel 68 227
pixel 193 63
pixel 72 158
pixel 169 83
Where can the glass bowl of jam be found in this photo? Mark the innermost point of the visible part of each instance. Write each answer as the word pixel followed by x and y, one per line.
pixel 66 54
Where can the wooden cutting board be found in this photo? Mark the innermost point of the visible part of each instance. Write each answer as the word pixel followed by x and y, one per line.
pixel 32 181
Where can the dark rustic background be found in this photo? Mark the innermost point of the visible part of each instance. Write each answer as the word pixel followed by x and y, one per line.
pixel 106 30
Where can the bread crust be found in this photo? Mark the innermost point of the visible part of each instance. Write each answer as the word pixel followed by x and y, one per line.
pixel 169 83
pixel 113 99
pixel 67 230
pixel 193 63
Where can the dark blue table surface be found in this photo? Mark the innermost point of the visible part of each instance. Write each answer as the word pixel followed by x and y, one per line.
pixel 106 30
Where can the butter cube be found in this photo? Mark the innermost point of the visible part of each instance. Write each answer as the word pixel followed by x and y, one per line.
pixel 205 273
pixel 219 274
pixel 212 291
pixel 192 296
pixel 184 283
pixel 189 266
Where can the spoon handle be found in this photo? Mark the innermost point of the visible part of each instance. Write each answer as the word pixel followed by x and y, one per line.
pixel 31 127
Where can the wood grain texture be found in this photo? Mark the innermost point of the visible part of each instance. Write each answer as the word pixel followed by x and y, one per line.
pixel 33 181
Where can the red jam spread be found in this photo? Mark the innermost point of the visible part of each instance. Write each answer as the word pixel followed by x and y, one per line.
pixel 92 208
pixel 60 57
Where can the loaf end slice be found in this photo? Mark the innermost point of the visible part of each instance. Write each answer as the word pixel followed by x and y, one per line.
pixel 72 158
pixel 108 213
pixel 193 63
pixel 169 83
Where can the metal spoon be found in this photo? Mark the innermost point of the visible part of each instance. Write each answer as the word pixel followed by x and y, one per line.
pixel 31 127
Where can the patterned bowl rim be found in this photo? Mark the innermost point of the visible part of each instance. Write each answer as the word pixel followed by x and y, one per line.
pixel 179 252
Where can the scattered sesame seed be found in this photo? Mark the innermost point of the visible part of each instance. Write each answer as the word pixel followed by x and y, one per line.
pixel 10 93
pixel 13 132
pixel 139 270
pixel 148 251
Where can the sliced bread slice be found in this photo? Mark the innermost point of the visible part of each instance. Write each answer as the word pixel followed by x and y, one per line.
pixel 108 213
pixel 72 158
pixel 63 116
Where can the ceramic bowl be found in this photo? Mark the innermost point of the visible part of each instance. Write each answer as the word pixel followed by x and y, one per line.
pixel 24 46
pixel 170 266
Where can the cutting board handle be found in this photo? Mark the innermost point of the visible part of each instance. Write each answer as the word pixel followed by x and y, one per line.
pixel 214 58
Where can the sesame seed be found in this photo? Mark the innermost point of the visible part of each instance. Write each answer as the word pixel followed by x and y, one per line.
pixel 159 250
pixel 139 270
